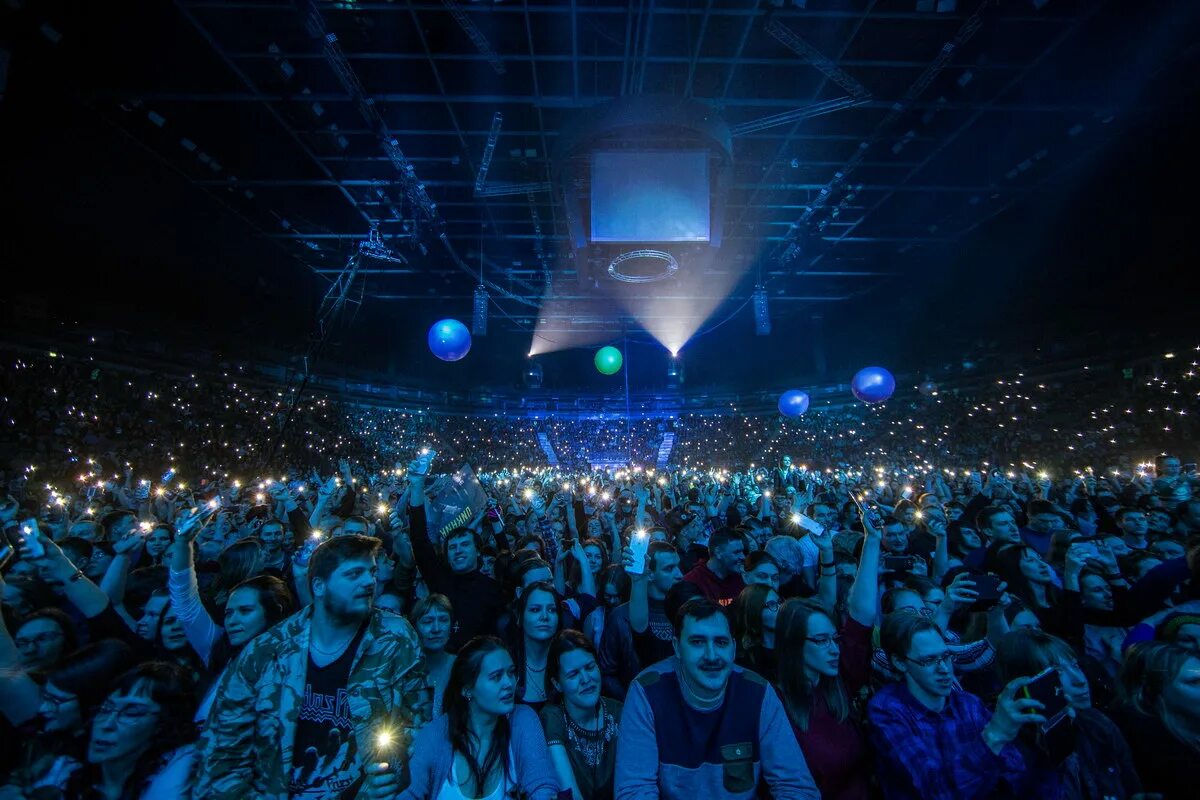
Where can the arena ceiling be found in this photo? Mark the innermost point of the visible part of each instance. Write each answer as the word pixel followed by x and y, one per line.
pixel 866 132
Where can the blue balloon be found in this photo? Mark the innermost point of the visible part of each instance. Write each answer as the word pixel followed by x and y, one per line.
pixel 449 339
pixel 873 384
pixel 793 403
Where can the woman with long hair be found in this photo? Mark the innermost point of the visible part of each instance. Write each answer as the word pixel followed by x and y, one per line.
pixel 1028 576
pixel 581 726
pixel 961 541
pixel 140 740
pixel 754 613
pixel 1160 716
pixel 484 746
pixel 55 733
pixel 433 618
pixel 1086 747
pixel 160 538
pixel 252 606
pixel 538 622
pixel 822 668
pixel 614 586
pixel 237 562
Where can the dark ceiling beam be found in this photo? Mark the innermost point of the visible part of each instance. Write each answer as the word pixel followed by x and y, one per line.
pixel 287 183
pixel 566 101
pixel 583 58
pixel 274 112
pixel 815 137
pixel 978 113
pixel 529 236
pixel 428 271
pixel 752 10
pixel 803 162
pixel 800 124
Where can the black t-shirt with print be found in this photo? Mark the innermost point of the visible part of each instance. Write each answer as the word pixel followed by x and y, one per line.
pixel 325 762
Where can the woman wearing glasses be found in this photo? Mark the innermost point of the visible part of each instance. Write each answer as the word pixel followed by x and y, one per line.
pixel 822 667
pixel 140 741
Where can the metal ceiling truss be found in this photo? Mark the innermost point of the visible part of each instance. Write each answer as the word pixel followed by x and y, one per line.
pixel 811 176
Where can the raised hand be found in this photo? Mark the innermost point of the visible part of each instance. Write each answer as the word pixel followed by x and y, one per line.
pixel 1012 712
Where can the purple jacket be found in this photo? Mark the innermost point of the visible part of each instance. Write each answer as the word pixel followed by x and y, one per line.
pixel 433 758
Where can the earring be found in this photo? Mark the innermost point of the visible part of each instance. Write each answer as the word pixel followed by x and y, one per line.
pixel 467 695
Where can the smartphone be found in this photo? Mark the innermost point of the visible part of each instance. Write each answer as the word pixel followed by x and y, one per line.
pixel 868 510
pixel 424 460
pixel 809 524
pixel 639 543
pixel 1046 687
pixel 987 586
pixel 899 563
pixel 168 476
pixel 305 553
pixel 30 540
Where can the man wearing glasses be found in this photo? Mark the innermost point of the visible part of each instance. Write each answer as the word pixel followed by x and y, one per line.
pixel 931 739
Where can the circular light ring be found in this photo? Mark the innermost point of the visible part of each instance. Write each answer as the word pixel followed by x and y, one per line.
pixel 670 268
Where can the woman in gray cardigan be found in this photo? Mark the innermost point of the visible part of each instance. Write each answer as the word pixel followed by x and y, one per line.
pixel 483 746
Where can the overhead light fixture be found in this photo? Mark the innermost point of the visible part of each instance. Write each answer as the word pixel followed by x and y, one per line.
pixel 479 322
pixel 762 314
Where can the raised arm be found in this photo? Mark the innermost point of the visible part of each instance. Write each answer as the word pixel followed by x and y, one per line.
pixel 864 592
pixel 201 631
pixel 20 697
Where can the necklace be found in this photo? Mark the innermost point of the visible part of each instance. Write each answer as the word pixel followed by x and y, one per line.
pixel 312 642
pixel 591 745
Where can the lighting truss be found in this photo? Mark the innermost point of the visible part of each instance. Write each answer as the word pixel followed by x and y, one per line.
pixel 762 314
pixel 489 149
pixel 502 189
pixel 479 322
pixel 671 266
pixel 807 112
pixel 475 35
pixel 413 188
pixel 819 60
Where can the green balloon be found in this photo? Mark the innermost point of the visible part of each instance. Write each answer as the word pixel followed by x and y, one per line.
pixel 609 360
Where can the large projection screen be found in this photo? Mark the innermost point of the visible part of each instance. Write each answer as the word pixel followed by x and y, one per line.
pixel 660 196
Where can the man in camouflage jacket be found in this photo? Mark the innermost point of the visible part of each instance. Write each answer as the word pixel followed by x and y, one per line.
pixel 247 746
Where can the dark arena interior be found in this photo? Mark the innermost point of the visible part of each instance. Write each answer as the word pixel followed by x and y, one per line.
pixel 579 400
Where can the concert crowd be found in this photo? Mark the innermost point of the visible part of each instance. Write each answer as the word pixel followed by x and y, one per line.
pixel 214 590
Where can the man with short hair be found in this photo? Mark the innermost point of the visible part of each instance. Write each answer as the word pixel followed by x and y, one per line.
pixel 895 537
pixel 999 527
pixel 932 740
pixel 270 535
pixel 1044 520
pixel 625 647
pixel 696 726
pixel 298 713
pixel 720 576
pixel 1134 527
pixel 477 599
pixel 356 524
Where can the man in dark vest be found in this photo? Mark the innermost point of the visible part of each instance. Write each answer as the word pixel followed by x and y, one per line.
pixel 697 727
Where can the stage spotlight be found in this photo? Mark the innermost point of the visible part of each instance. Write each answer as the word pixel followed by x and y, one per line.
pixel 479 322
pixel 762 314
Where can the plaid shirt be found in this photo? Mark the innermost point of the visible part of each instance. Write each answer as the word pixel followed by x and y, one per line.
pixel 936 755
